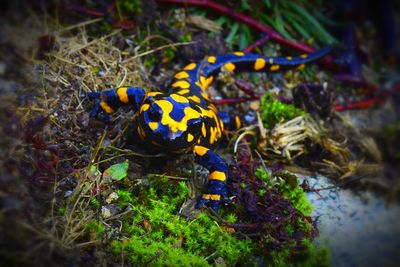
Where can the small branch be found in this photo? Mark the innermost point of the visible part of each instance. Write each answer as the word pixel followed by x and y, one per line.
pixel 231 101
pixel 156 49
pixel 247 90
pixel 257 43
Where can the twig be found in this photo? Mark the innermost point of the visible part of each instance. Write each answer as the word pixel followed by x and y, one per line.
pixel 95 41
pixel 369 102
pixel 82 24
pixel 156 49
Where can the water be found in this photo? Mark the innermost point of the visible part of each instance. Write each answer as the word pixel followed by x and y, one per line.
pixel 358 229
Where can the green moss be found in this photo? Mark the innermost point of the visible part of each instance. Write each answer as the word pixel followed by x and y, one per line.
pixel 140 251
pixel 273 111
pixel 94 202
pixel 124 197
pixel 261 192
pixel 289 186
pixel 263 175
pixel 291 189
pixel 129 6
pixel 158 236
pixel 231 218
pixel 61 210
pixel 187 37
pixel 95 228
pixel 290 229
pixel 311 255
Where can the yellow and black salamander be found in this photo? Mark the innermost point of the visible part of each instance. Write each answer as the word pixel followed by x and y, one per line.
pixel 186 120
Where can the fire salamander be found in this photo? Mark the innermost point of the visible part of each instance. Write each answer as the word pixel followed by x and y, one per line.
pixel 186 120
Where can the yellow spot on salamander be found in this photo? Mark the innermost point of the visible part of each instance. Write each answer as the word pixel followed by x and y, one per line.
pixel 289 58
pixel 213 135
pixel 182 75
pixel 205 96
pixel 211 196
pixel 238 53
pixel 181 84
pixel 203 129
pixel 274 67
pixel 173 125
pixel 144 107
pixel 211 59
pixel 237 122
pixel 195 98
pixel 204 82
pixel 301 67
pixel 191 66
pixel 106 107
pixel 213 108
pixel 122 95
pixel 184 91
pixel 259 64
pixel 189 137
pixel 153 125
pixel 200 150
pixel 217 175
pixel 153 93
pixel 179 98
pixel 230 67
pixel 221 124
pixel 304 56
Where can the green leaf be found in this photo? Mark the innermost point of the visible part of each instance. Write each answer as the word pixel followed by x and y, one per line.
pixel 279 25
pixel 301 30
pixel 267 3
pixel 117 171
pixel 245 37
pixel 222 20
pixel 232 34
pixel 320 32
pixel 244 5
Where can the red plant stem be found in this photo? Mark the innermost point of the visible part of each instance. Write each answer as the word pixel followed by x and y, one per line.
pixel 352 105
pixel 231 101
pixel 84 10
pixel 247 90
pixel 256 44
pixel 364 103
pixel 328 61
pixel 369 102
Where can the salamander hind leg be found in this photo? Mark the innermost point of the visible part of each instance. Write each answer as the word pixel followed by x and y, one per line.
pixel 216 188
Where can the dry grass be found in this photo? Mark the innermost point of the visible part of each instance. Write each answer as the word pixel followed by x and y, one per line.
pixel 78 64
pixel 287 138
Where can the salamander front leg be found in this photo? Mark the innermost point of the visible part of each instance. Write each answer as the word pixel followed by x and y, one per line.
pixel 216 187
pixel 97 111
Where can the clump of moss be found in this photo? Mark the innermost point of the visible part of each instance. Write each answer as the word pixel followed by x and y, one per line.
pixel 158 236
pixel 308 255
pixel 273 111
pixel 95 228
pixel 288 186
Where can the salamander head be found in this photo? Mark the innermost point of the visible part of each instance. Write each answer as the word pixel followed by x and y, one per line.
pixel 169 121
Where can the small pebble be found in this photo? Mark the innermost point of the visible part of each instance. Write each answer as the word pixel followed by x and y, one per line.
pixel 105 212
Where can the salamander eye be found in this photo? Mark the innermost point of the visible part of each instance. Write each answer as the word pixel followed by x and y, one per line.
pixel 155 114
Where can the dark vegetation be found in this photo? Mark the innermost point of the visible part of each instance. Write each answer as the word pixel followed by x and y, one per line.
pixel 76 192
